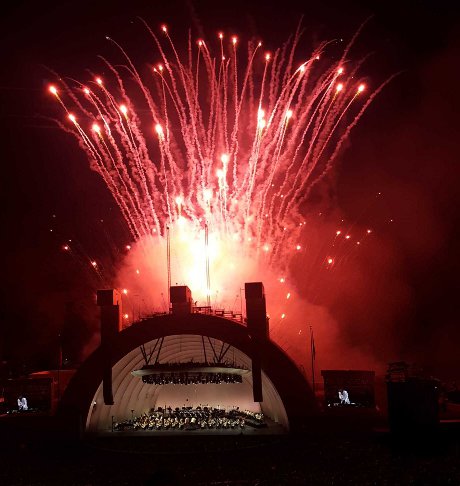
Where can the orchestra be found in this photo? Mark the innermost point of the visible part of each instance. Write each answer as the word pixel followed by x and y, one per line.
pixel 189 418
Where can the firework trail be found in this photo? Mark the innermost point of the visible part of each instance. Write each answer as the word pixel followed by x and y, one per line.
pixel 205 140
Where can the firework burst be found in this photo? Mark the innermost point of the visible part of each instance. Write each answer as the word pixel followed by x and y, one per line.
pixel 209 144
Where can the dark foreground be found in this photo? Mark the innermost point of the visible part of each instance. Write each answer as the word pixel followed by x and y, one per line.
pixel 330 457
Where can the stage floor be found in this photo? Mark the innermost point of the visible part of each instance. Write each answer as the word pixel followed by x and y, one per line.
pixel 272 428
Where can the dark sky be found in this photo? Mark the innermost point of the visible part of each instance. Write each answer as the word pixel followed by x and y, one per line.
pixel 406 146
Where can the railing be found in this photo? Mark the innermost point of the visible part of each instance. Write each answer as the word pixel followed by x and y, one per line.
pixel 205 309
pixel 228 314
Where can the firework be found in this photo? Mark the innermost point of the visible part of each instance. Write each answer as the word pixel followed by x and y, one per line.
pixel 209 144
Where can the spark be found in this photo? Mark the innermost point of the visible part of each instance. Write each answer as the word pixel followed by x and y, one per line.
pixel 207 195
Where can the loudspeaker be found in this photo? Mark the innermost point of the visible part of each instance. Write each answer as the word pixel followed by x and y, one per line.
pixel 256 313
pixel 111 324
pixel 256 310
pixel 180 294
pixel 108 297
pixel 254 290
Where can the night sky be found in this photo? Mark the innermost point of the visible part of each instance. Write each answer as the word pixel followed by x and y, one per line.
pixel 406 147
